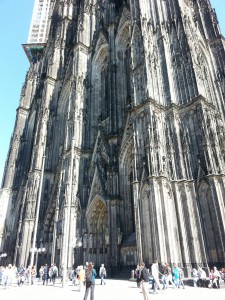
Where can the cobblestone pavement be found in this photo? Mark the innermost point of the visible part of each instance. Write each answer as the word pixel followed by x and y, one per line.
pixel 114 289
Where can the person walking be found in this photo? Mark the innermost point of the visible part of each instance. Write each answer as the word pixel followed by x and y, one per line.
pixel 90 276
pixel 102 274
pixel 155 275
pixel 176 276
pixel 181 277
pixel 21 276
pixel 45 275
pixel 55 273
pixel 145 281
pixel 169 278
pixel 163 275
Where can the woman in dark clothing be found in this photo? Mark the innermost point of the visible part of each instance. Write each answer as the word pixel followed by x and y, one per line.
pixel 138 276
pixel 145 281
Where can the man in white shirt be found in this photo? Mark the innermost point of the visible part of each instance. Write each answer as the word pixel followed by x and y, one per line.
pixel 155 275
pixel 102 274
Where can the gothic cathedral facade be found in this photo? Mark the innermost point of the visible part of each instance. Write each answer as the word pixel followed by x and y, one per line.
pixel 120 132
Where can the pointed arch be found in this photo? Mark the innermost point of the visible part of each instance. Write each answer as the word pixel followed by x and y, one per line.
pixel 97 226
pixel 126 165
pixel 100 81
pixel 123 57
pixel 209 220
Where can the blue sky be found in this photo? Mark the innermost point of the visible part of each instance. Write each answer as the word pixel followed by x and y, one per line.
pixel 15 18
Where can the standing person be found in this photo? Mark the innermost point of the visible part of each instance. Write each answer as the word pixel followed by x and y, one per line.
pixel 45 275
pixel 102 274
pixel 90 281
pixel 28 274
pixel 75 276
pixel 216 277
pixel 14 271
pixel 50 273
pixel 195 277
pixel 163 274
pixel 5 277
pixel 200 277
pixel 211 279
pixel 203 277
pixel 176 276
pixel 81 278
pixel 1 274
pixel 145 281
pixel 7 274
pixel 169 278
pixel 181 277
pixel 41 273
pixel 33 274
pixel 155 275
pixel 21 275
pixel 138 275
pixel 10 274
pixel 54 273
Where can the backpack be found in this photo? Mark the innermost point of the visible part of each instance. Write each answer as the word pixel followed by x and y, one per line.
pixel 88 278
pixel 54 271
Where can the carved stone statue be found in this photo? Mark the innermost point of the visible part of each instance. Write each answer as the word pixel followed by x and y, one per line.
pixel 85 238
pixel 119 236
pixel 106 236
pixel 90 241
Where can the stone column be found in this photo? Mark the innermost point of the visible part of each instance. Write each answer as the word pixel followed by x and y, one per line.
pixel 54 241
pixel 137 221
pixel 113 214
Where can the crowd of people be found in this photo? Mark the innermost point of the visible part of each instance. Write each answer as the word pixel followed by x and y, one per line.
pixel 82 276
pixel 157 278
pixel 215 278
pixel 10 274
pixel 161 277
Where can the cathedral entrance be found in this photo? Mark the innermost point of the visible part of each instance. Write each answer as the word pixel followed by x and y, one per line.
pixel 96 239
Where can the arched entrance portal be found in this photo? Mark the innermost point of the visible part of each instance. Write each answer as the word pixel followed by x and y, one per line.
pixel 98 235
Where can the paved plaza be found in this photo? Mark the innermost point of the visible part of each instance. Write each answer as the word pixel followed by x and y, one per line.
pixel 114 289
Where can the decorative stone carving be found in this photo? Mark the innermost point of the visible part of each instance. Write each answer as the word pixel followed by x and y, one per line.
pixel 85 241
pixel 119 236
pixel 106 236
pixel 90 240
pixel 113 69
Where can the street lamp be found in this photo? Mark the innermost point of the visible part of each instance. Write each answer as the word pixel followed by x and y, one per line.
pixel 3 255
pixel 39 250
